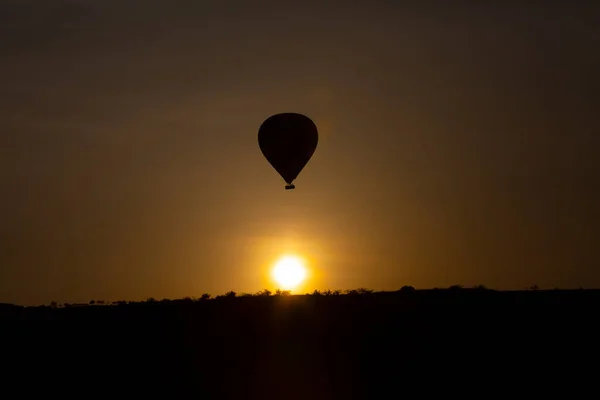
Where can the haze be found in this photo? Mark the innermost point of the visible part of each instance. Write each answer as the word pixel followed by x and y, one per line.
pixel 458 144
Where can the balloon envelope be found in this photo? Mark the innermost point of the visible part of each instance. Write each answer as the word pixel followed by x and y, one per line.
pixel 288 141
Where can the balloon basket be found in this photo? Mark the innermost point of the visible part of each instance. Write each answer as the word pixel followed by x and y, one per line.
pixel 290 187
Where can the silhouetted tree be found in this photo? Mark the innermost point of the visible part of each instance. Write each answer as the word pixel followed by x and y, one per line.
pixel 280 292
pixel 231 294
pixel 205 296
pixel 407 289
pixel 264 293
pixel 53 304
pixel 92 302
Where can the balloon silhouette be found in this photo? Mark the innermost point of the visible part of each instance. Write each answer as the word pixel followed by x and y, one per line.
pixel 288 141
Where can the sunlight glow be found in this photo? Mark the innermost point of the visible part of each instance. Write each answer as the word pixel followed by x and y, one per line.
pixel 289 272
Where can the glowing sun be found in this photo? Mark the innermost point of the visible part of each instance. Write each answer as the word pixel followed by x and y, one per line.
pixel 289 272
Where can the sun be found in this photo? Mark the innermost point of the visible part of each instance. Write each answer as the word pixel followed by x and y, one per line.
pixel 289 272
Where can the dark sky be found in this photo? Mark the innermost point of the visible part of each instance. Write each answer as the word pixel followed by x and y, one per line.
pixel 459 144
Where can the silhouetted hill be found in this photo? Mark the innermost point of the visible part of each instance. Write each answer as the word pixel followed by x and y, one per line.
pixel 359 344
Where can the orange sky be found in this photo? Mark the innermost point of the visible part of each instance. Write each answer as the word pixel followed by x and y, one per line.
pixel 458 145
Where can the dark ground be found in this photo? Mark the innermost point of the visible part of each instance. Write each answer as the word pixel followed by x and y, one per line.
pixel 447 342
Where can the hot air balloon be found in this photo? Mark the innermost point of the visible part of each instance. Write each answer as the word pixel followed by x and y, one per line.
pixel 288 141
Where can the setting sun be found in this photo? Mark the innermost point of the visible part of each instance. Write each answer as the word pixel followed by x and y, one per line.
pixel 289 272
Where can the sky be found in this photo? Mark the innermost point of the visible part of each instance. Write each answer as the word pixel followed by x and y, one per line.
pixel 458 144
